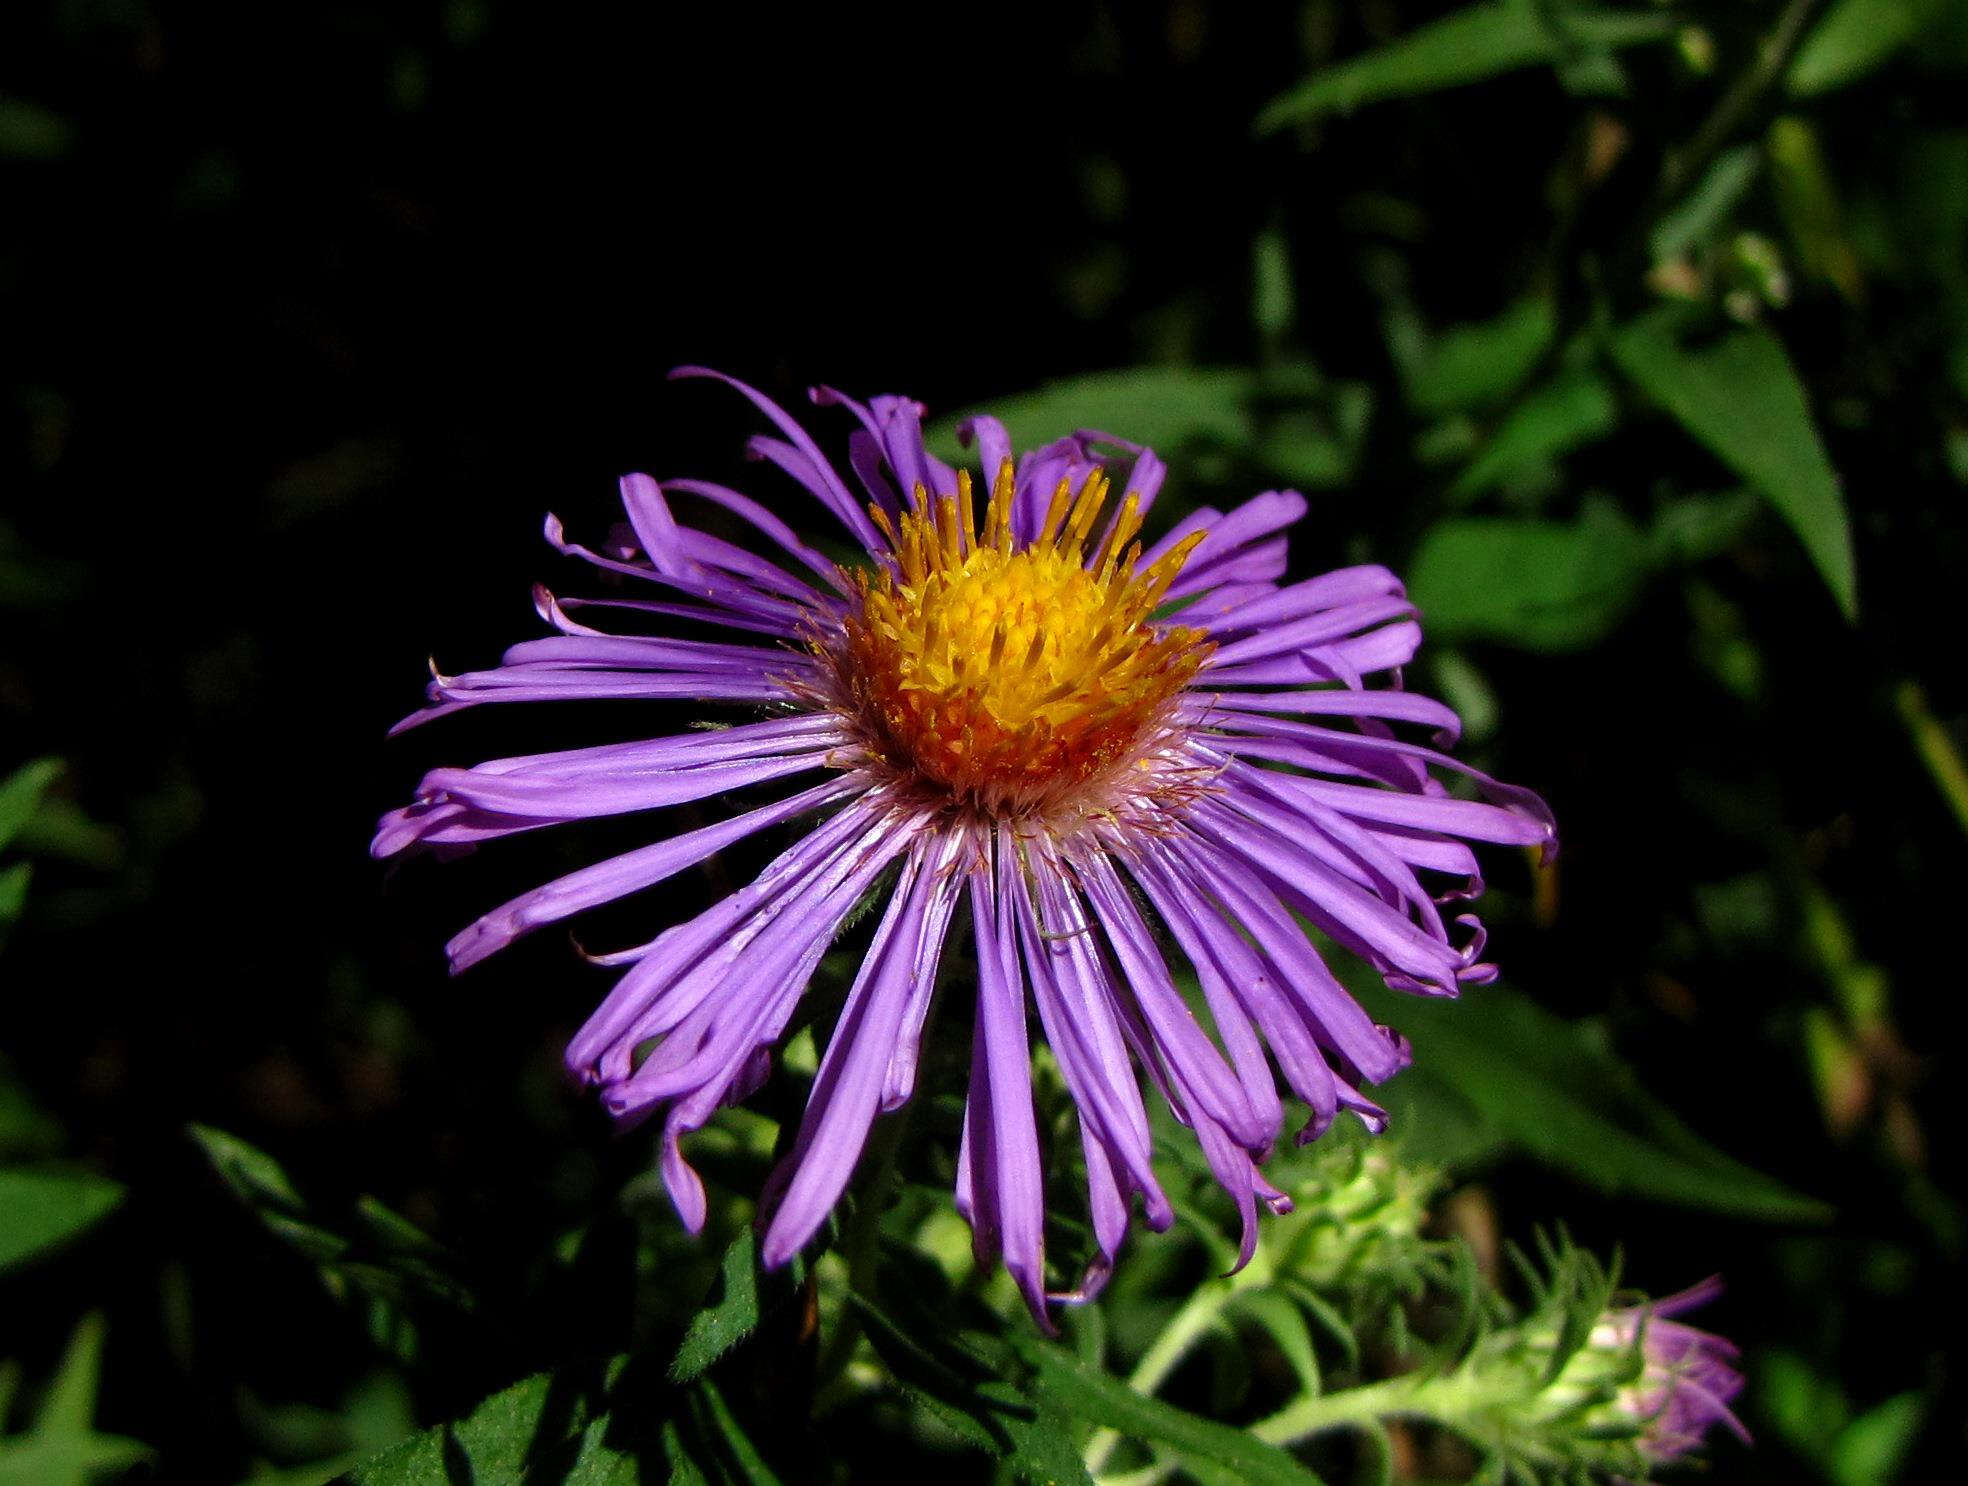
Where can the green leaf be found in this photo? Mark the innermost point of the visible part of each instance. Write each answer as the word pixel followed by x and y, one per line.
pixel 1478 42
pixel 26 1129
pixel 952 1376
pixel 1743 400
pixel 1165 407
pixel 255 1177
pixel 502 1436
pixel 1722 185
pixel 1575 409
pixel 1548 1088
pixel 715 1419
pixel 1092 1395
pixel 13 891
pixel 716 1329
pixel 1284 1322
pixel 63 1448
pixel 1854 38
pixel 40 1210
pixel 1690 529
pixel 1476 365
pixel 1871 1450
pixel 20 794
pixel 30 132
pixel 1544 585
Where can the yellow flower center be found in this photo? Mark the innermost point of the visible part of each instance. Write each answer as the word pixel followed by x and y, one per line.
pixel 1013 679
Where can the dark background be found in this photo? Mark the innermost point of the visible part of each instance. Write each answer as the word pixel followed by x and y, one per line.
pixel 311 312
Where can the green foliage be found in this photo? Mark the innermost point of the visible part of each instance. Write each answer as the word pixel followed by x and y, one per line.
pixel 1168 408
pixel 1742 399
pixel 1811 1413
pixel 1493 1062
pixel 1572 351
pixel 373 1260
pixel 1546 585
pixel 562 1426
pixel 41 1210
pixel 1478 42
pixel 1856 37
pixel 63 1448
pixel 1476 365
pixel 1202 1444
pixel 718 1327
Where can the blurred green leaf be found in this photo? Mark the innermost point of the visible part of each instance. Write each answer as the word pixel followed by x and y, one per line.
pixel 1574 409
pixel 1545 585
pixel 1853 38
pixel 1272 304
pixel 1742 399
pixel 14 882
pixel 1871 1450
pixel 717 1328
pixel 375 1261
pixel 1284 1322
pixel 40 1210
pixel 1807 1410
pixel 1472 44
pixel 1165 407
pixel 1548 1088
pixel 255 1177
pixel 1094 1396
pixel 59 828
pixel 30 132
pixel 25 1128
pixel 1705 208
pixel 1479 364
pixel 1809 203
pixel 21 792
pixel 1689 529
pixel 63 1448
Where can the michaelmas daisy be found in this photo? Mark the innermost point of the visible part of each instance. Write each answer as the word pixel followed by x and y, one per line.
pixel 1096 749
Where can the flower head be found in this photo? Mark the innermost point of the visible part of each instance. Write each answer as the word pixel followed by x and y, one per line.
pixel 1018 710
pixel 1687 1376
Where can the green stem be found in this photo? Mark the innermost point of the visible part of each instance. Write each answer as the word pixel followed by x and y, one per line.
pixel 1186 1327
pixel 1448 1400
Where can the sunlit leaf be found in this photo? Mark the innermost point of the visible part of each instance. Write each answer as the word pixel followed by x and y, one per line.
pixel 718 1327
pixel 40 1210
pixel 1743 400
pixel 1472 44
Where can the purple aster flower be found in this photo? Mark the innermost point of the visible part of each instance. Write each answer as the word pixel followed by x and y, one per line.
pixel 1688 1377
pixel 1011 706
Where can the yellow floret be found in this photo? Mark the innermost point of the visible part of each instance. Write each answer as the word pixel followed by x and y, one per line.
pixel 1012 679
